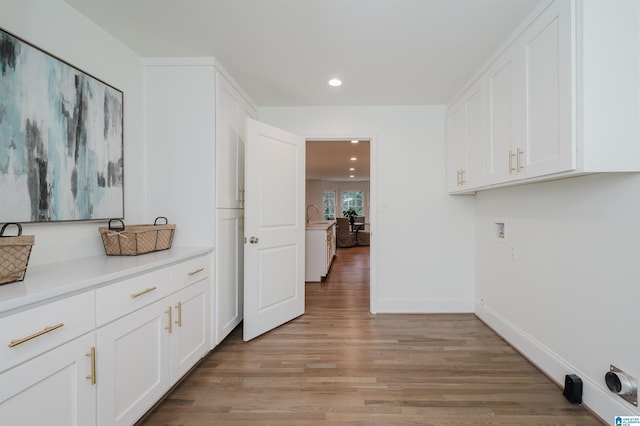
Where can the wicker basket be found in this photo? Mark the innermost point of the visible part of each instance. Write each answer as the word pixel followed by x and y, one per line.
pixel 133 240
pixel 14 254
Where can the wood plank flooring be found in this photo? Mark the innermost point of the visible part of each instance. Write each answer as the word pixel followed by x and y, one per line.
pixel 340 365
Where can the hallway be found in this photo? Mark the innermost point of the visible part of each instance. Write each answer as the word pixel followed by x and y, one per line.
pixel 339 365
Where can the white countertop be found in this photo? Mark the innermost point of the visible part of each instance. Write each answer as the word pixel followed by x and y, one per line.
pixel 320 225
pixel 48 282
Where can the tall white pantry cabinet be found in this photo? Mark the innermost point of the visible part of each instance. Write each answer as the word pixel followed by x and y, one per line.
pixel 195 120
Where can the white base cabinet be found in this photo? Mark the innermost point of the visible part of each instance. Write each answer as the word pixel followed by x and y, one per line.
pixel 133 364
pixel 190 337
pixel 320 249
pixel 145 352
pixel 54 389
pixel 106 355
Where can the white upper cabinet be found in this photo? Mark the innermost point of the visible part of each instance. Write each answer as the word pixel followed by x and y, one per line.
pixel 562 98
pixel 456 146
pixel 545 138
pixel 529 101
pixel 501 110
pixel 466 140
pixel 231 116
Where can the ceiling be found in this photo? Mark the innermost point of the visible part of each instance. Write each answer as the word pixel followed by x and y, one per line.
pixel 283 52
pixel 331 160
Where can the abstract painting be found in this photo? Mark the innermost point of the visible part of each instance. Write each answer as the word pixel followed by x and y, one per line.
pixel 61 139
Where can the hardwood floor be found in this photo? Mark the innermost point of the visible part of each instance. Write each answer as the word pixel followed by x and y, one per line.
pixel 340 365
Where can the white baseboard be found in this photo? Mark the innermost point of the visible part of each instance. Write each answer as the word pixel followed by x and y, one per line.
pixel 423 306
pixel 595 396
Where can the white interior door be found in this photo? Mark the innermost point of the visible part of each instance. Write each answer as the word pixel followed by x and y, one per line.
pixel 274 228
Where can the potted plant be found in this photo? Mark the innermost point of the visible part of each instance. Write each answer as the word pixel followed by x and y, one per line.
pixel 351 214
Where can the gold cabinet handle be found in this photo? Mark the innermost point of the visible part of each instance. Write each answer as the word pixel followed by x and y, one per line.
pixel 169 311
pixel 34 335
pixel 511 168
pixel 519 165
pixel 92 376
pixel 145 291
pixel 197 271
pixel 179 308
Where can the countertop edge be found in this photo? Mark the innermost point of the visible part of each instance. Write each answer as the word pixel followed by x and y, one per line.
pixel 319 226
pixel 49 282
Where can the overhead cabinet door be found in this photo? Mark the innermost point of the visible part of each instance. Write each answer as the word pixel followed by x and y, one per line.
pixel 546 140
pixel 501 119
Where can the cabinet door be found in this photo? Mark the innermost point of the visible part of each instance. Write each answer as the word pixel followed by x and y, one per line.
pixel 229 270
pixel 228 184
pixel 229 149
pixel 330 243
pixel 466 140
pixel 500 84
pixel 51 389
pixel 190 333
pixel 133 364
pixel 473 175
pixel 316 256
pixel 456 146
pixel 243 113
pixel 546 142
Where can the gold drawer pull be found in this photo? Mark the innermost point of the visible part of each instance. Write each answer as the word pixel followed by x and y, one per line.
pixel 511 155
pixel 179 308
pixel 145 291
pixel 34 335
pixel 92 376
pixel 196 271
pixel 168 312
pixel 518 159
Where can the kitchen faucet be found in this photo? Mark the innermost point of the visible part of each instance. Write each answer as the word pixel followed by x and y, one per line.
pixel 315 207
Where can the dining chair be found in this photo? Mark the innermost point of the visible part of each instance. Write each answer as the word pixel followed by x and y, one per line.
pixel 344 236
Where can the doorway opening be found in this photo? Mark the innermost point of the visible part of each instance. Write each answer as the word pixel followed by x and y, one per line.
pixel 338 186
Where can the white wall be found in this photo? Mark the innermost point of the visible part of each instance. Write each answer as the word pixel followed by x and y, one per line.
pixel 570 300
pixel 422 249
pixel 55 27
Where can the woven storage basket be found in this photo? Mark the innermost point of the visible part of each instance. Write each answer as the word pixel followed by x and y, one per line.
pixel 14 254
pixel 133 240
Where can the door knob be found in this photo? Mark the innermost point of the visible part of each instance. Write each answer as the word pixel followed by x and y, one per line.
pixel 253 240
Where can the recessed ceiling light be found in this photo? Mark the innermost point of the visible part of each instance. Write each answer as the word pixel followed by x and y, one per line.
pixel 335 82
pixel 353 158
pixel 351 176
pixel 351 169
pixel 355 141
